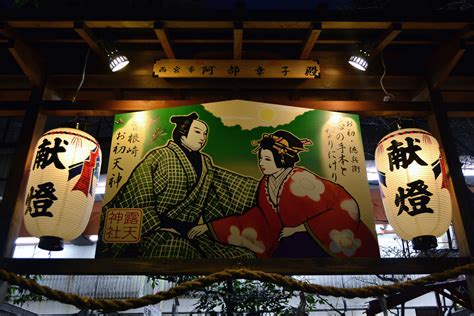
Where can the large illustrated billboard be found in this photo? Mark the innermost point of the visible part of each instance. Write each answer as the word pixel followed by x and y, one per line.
pixel 237 179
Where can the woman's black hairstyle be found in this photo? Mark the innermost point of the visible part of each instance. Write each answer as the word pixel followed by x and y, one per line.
pixel 183 124
pixel 284 146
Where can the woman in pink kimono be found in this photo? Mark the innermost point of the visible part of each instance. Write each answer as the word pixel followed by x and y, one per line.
pixel 298 214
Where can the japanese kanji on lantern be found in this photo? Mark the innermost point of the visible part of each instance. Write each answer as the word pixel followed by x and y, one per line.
pixel 413 185
pixel 61 186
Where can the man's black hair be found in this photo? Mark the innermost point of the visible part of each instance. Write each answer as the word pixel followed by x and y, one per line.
pixel 183 124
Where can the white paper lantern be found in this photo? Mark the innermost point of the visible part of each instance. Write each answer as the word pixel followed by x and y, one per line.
pixel 61 186
pixel 413 185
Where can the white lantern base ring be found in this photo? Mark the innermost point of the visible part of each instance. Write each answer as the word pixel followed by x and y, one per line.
pixel 51 243
pixel 426 242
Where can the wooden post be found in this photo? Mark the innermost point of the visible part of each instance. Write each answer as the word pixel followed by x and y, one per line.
pixel 11 212
pixel 463 219
pixel 238 39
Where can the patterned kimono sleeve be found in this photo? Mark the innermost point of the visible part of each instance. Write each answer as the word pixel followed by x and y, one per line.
pixel 137 192
pixel 339 229
pixel 249 230
pixel 229 194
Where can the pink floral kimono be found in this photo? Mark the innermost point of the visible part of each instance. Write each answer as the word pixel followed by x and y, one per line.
pixel 328 212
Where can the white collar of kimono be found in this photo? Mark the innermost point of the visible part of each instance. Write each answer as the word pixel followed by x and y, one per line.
pixel 274 184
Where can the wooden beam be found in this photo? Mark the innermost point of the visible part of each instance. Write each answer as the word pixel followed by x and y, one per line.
pixel 219 20
pixel 12 206
pixel 247 94
pixel 317 266
pixel 386 38
pixel 14 95
pixel 99 108
pixel 343 81
pixel 6 31
pixel 161 33
pixel 12 109
pixel 438 70
pixel 32 64
pixel 457 297
pixel 422 93
pixel 30 61
pixel 327 82
pixel 238 39
pixel 87 36
pixel 248 41
pixel 463 219
pixel 11 214
pixel 443 60
pixel 109 108
pixel 407 295
pixel 467 32
pixel 11 82
pixel 312 37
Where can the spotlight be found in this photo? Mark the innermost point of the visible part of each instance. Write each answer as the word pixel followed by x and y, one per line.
pixel 359 60
pixel 117 60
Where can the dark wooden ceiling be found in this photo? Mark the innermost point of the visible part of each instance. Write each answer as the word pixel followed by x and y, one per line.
pixel 422 48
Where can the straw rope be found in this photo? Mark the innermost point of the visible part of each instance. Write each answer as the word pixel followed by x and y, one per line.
pixel 228 274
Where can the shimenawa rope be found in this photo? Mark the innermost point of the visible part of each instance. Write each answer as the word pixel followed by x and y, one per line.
pixel 228 274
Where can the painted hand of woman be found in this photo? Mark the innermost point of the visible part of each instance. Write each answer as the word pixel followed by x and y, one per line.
pixel 197 231
pixel 288 231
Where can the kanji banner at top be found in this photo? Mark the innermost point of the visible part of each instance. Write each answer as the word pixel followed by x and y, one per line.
pixel 234 68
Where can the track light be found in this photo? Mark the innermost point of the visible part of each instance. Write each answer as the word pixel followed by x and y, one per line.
pixel 359 60
pixel 117 60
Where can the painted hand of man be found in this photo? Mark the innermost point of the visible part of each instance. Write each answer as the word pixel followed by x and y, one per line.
pixel 171 230
pixel 197 231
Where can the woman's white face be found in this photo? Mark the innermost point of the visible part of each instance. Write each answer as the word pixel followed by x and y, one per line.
pixel 267 162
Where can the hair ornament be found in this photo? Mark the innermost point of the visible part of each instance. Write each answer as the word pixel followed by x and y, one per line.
pixel 281 145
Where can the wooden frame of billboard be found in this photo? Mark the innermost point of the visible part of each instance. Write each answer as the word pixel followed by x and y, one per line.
pixel 36 111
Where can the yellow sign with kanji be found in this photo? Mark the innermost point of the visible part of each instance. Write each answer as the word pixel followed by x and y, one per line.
pixel 234 68
pixel 123 225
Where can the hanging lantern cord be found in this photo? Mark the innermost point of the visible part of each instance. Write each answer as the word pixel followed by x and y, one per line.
pixel 399 122
pixel 83 76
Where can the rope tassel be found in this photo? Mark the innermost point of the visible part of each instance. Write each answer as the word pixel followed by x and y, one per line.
pixel 228 274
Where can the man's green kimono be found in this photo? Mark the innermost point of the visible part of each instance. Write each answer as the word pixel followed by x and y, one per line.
pixel 165 184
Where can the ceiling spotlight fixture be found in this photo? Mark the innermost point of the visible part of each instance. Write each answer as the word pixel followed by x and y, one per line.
pixel 117 60
pixel 359 60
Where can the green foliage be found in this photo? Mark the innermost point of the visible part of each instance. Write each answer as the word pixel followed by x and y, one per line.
pixel 245 296
pixel 19 296
pixel 238 297
pixel 26 3
pixel 313 300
